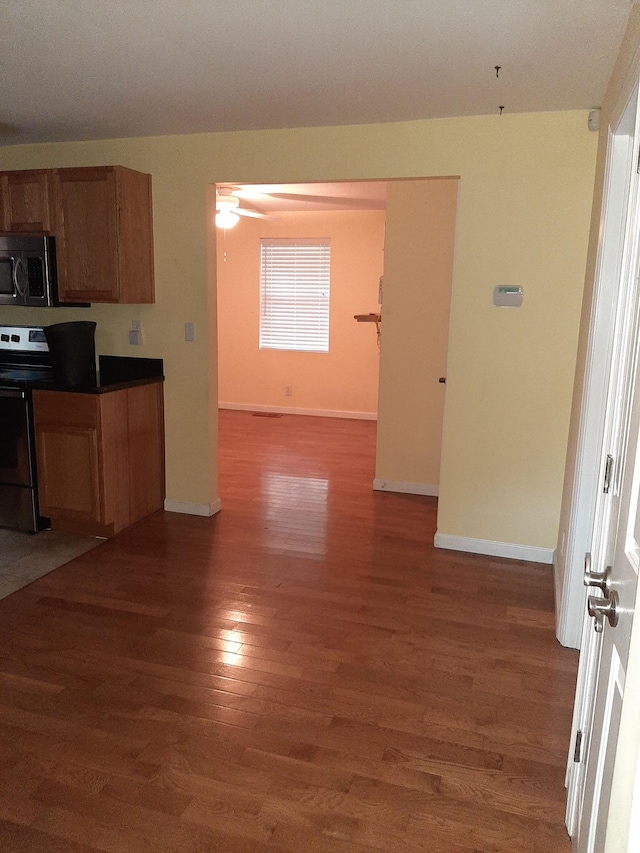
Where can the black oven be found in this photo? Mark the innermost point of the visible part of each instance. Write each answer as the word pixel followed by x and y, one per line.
pixel 18 493
pixel 24 360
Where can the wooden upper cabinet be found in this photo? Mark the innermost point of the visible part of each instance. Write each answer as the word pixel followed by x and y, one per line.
pixel 26 202
pixel 104 234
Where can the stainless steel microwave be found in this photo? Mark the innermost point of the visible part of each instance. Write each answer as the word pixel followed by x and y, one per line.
pixel 27 270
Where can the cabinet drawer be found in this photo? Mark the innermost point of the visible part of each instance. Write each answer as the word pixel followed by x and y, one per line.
pixel 64 408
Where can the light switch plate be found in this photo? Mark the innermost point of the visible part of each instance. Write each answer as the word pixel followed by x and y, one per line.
pixel 190 332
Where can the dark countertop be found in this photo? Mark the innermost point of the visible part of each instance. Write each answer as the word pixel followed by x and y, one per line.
pixel 114 373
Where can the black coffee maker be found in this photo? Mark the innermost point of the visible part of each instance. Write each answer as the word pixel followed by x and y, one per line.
pixel 72 349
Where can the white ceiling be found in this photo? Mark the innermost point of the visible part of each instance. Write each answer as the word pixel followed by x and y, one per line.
pixel 74 70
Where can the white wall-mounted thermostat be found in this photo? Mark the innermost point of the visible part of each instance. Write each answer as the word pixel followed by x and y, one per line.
pixel 508 295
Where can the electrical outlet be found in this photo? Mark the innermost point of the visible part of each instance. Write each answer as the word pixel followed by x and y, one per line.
pixel 135 337
pixel 190 332
pixel 136 325
pixel 288 390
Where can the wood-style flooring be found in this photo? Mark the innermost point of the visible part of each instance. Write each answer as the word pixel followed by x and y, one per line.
pixel 302 673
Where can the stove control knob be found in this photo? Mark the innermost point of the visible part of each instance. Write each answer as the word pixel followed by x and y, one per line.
pixel 15 338
pixel 4 337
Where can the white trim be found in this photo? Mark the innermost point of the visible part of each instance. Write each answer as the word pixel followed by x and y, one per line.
pixel 193 509
pixel 383 485
pixel 320 413
pixel 493 549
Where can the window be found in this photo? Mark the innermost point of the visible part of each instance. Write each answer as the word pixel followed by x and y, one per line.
pixel 294 294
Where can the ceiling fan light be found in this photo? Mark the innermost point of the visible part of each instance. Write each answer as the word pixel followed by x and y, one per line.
pixel 225 207
pixel 226 218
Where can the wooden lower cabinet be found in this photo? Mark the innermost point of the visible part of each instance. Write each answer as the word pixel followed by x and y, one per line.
pixel 100 457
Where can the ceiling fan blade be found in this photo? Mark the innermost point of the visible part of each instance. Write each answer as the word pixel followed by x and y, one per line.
pixel 302 197
pixel 334 201
pixel 254 214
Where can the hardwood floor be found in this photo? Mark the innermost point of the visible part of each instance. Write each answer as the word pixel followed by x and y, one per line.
pixel 302 673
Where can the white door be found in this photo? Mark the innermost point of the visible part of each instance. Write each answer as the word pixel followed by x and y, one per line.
pixel 614 611
pixel 615 553
pixel 612 671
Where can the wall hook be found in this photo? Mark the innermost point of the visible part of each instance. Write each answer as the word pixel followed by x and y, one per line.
pixel 498 68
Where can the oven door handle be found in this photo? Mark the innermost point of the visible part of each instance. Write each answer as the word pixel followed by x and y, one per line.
pixel 12 393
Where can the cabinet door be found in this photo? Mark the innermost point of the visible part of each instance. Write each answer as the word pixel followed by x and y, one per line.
pixel 68 472
pixel 68 457
pixel 26 202
pixel 135 236
pixel 87 245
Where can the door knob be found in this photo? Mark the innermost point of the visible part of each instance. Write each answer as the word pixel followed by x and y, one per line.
pixel 601 580
pixel 604 608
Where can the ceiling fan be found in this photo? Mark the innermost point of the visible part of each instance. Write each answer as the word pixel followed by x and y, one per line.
pixel 228 210
pixel 272 199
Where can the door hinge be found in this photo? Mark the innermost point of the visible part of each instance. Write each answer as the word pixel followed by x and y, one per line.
pixel 608 471
pixel 577 752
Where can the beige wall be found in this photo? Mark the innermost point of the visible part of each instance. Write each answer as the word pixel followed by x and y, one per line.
pixel 343 380
pixel 523 211
pixel 522 221
pixel 418 269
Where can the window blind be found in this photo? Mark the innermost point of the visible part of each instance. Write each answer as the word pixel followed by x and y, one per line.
pixel 294 294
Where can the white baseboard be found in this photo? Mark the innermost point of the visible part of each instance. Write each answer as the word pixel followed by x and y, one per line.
pixel 319 413
pixel 493 549
pixel 193 509
pixel 382 485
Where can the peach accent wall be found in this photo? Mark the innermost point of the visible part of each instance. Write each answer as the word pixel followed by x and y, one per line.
pixel 344 380
pixel 421 221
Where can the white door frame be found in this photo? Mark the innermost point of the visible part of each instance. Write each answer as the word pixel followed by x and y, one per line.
pixel 589 462
pixel 588 467
pixel 618 249
pixel 586 513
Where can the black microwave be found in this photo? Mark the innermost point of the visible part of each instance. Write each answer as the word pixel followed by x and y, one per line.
pixel 27 270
